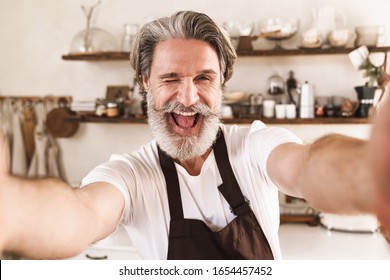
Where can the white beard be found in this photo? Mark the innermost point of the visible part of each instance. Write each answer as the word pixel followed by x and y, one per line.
pixel 178 146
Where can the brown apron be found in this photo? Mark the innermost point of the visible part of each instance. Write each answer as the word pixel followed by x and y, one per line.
pixel 242 238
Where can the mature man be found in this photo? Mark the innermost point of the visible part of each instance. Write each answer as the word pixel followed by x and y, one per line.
pixel 200 190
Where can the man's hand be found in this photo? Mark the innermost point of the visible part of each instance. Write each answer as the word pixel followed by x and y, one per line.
pixel 380 156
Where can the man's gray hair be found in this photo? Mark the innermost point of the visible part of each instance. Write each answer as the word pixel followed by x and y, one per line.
pixel 181 25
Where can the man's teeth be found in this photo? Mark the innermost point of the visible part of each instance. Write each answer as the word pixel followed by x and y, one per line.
pixel 186 114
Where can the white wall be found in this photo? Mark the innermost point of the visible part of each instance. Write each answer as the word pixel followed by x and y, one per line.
pixel 35 33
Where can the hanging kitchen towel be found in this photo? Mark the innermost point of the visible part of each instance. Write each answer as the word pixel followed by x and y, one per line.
pixel 53 151
pixel 53 159
pixel 38 163
pixel 1 117
pixel 5 125
pixel 6 117
pixel 33 167
pixel 18 155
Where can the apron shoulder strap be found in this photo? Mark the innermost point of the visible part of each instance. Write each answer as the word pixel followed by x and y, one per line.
pixel 230 188
pixel 172 183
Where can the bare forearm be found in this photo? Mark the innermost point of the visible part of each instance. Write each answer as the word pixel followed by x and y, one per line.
pixel 337 176
pixel 380 162
pixel 43 219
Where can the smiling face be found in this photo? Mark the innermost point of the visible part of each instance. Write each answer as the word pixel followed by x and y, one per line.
pixel 184 97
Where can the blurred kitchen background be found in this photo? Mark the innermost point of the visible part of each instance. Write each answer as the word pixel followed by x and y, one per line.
pixel 41 60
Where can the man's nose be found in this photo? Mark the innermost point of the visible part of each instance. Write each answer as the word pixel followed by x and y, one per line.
pixel 188 94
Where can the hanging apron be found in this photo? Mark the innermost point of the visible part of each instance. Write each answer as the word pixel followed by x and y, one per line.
pixel 242 238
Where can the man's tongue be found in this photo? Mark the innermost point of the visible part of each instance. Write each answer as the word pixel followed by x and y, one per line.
pixel 184 121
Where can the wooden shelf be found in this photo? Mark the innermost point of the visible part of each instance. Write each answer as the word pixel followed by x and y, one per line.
pixel 97 56
pixel 312 220
pixel 143 119
pixel 293 52
pixel 96 119
pixel 107 56
pixel 299 121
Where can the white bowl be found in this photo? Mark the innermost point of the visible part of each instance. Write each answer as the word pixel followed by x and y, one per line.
pixel 235 96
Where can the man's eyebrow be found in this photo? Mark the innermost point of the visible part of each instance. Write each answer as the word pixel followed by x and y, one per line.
pixel 170 75
pixel 208 71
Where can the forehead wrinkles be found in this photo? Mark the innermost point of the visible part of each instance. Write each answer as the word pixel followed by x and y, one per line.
pixel 184 57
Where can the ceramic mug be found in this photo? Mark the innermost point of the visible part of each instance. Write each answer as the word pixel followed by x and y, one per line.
pixel 311 38
pixel 280 111
pixel 370 35
pixel 291 111
pixel 340 37
pixel 269 108
pixel 358 56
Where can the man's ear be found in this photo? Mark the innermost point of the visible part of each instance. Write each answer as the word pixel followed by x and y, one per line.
pixel 145 82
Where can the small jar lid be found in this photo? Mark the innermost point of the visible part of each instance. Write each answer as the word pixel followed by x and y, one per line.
pixel 112 105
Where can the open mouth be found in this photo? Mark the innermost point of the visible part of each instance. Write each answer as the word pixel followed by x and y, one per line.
pixel 184 119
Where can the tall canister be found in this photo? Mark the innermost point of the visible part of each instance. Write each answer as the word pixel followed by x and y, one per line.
pixel 306 101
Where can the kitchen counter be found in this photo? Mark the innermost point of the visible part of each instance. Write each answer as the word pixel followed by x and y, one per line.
pixel 298 241
pixel 304 242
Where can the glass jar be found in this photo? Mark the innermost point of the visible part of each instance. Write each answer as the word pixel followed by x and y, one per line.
pixel 93 40
pixel 130 30
pixel 275 85
pixel 330 109
pixel 112 109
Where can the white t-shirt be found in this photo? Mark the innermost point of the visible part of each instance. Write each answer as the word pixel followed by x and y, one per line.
pixel 146 214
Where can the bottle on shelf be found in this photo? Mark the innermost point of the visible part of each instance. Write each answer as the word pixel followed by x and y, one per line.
pixel 292 85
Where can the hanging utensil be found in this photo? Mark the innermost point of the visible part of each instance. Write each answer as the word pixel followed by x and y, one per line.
pixel 28 128
pixel 56 123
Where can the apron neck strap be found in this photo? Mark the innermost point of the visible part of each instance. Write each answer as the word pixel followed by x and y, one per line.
pixel 172 183
pixel 229 188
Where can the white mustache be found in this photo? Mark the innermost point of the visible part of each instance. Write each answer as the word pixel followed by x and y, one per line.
pixel 200 108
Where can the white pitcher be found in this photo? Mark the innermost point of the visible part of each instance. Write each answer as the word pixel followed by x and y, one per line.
pixel 326 19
